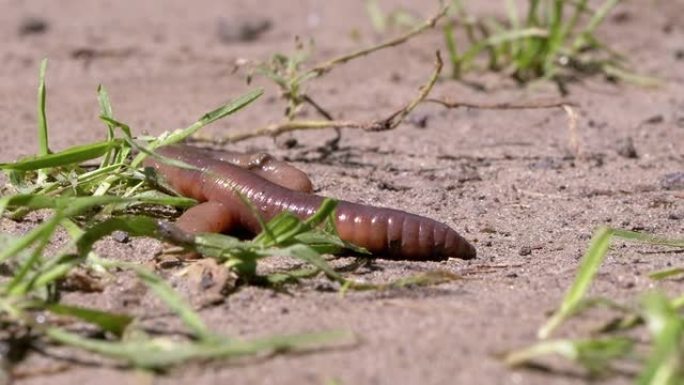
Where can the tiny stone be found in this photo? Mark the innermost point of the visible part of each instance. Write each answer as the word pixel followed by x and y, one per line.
pixel 673 181
pixel 290 143
pixel 676 216
pixel 419 121
pixel 120 236
pixel 679 54
pixel 626 149
pixel 525 250
pixel 33 26
pixel 655 119
pixel 230 31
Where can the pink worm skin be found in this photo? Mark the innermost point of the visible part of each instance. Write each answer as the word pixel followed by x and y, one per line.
pixel 384 232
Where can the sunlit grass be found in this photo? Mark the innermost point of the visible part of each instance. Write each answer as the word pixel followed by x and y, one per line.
pixel 661 360
pixel 89 190
pixel 548 39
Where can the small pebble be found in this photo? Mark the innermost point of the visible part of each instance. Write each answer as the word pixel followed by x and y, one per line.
pixel 626 149
pixel 676 216
pixel 525 250
pixel 547 163
pixel 655 119
pixel 419 121
pixel 679 54
pixel 120 236
pixel 33 26
pixel 672 181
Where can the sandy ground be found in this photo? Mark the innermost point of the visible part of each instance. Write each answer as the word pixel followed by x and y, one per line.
pixel 502 178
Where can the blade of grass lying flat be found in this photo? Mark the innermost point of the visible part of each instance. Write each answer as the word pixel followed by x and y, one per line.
pixel 161 353
pixel 668 273
pixel 591 261
pixel 111 322
pixel 627 76
pixel 133 225
pixel 308 255
pixel 665 364
pixel 648 238
pixel 594 354
pixel 27 201
pixel 73 155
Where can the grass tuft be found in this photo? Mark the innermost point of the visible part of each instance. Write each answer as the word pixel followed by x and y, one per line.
pixel 553 39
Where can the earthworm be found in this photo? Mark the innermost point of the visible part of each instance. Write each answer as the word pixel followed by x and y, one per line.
pixel 262 164
pixel 384 232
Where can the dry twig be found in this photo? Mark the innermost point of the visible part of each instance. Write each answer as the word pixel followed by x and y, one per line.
pixel 535 104
pixel 328 65
pixel 384 124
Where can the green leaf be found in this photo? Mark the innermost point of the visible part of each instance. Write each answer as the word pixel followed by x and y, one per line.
pixel 665 366
pixel 43 148
pixel 594 354
pixel 591 261
pixel 111 322
pixel 71 156
pixel 160 353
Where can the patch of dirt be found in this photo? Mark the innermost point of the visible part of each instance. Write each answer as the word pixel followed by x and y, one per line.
pixel 502 178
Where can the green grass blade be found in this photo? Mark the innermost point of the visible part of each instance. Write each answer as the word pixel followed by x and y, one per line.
pixel 325 210
pixel 665 366
pixel 70 156
pixel 171 298
pixel 648 238
pixel 111 322
pixel 594 354
pixel 589 266
pixel 43 148
pixel 452 49
pixel 208 118
pixel 162 353
pixel 667 273
pixel 377 17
